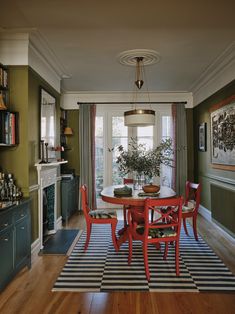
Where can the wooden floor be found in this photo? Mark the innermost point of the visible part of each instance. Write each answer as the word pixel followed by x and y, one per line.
pixel 30 291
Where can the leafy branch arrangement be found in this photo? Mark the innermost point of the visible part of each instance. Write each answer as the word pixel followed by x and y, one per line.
pixel 144 162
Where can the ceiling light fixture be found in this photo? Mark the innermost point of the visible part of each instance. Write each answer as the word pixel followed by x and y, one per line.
pixel 139 117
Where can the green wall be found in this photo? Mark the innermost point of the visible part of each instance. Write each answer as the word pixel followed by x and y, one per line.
pixel 72 155
pixel 203 171
pixel 25 98
pixel 14 160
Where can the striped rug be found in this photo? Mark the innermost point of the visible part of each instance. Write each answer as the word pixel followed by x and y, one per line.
pixel 100 268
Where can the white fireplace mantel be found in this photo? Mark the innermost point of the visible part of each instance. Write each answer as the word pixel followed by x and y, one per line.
pixel 47 175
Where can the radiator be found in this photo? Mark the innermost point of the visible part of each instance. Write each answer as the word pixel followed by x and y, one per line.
pixel 223 206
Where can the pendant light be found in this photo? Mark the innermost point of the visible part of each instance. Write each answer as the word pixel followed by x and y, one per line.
pixel 139 117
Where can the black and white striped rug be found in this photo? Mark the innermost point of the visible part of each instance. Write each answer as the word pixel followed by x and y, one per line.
pixel 100 268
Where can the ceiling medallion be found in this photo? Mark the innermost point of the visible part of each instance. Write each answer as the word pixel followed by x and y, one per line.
pixel 149 56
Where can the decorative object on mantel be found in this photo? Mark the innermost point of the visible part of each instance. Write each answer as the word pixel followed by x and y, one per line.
pixel 139 58
pixel 9 191
pixel 43 161
pixel 139 161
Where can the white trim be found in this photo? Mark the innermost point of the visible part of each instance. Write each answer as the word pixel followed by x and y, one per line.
pixel 69 99
pixel 217 75
pixel 28 47
pixel 59 223
pixel 205 212
pixel 35 249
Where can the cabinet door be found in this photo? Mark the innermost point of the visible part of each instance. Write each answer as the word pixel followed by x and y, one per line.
pixel 22 249
pixel 7 259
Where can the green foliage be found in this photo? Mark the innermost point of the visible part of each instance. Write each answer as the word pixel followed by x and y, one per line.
pixel 144 162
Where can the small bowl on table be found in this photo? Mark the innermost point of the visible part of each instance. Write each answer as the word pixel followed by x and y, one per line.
pixel 151 188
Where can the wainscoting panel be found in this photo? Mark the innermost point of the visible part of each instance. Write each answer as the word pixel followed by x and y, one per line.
pixel 223 206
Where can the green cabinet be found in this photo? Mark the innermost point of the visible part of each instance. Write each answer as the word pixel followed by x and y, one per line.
pixel 15 240
pixel 69 196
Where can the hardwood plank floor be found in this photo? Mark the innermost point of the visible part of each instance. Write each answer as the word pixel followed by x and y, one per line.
pixel 30 291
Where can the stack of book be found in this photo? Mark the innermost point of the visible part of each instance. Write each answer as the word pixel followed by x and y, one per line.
pixel 8 123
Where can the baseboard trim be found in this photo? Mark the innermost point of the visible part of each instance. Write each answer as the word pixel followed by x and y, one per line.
pixel 35 248
pixel 59 223
pixel 204 212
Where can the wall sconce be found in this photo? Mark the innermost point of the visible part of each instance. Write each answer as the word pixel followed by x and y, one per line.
pixel 68 131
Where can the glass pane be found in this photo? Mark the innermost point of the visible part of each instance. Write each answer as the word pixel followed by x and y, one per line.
pixel 116 178
pixel 99 155
pixel 145 131
pixel 166 126
pixel 119 129
pixel 99 128
pixel 147 141
pixel 119 137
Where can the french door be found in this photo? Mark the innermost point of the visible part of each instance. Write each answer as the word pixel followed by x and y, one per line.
pixel 111 132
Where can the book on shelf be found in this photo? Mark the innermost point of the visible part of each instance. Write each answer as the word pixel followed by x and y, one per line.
pixel 8 128
pixel 3 77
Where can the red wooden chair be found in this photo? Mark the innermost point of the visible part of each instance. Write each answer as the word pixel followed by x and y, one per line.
pixel 191 205
pixel 165 228
pixel 97 217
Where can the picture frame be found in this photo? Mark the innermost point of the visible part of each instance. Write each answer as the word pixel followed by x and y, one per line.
pixel 223 134
pixel 202 142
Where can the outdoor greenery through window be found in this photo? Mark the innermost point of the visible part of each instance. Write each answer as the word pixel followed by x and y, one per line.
pixel 111 133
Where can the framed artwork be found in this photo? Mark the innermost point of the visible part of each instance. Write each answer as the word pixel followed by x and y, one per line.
pixel 223 135
pixel 202 137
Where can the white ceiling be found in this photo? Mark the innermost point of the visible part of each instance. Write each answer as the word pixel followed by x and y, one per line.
pixel 86 36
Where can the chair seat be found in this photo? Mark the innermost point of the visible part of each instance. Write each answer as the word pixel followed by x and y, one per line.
pixel 157 233
pixel 189 208
pixel 102 214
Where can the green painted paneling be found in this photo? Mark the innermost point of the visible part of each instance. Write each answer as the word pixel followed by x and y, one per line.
pixel 203 167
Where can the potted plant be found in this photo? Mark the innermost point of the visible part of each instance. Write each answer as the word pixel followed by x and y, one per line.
pixel 140 161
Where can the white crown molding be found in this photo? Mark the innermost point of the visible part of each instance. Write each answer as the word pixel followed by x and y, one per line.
pixel 69 99
pixel 39 44
pixel 217 75
pixel 28 47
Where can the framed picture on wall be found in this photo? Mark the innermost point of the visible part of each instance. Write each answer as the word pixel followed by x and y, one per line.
pixel 202 137
pixel 223 135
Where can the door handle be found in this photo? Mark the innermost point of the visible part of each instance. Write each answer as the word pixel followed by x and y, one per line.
pixel 110 149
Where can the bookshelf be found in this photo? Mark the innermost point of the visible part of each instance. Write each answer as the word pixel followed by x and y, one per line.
pixel 9 132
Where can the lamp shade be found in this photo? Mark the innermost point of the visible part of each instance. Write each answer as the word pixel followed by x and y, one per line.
pixel 68 131
pixel 139 117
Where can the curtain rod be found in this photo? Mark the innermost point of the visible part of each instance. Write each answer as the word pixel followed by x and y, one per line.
pixel 129 102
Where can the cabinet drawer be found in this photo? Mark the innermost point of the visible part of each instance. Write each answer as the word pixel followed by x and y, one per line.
pixel 20 213
pixel 5 221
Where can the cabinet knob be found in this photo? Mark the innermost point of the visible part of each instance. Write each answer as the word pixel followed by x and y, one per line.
pixel 22 228
pixel 6 239
pixel 5 225
pixel 22 215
